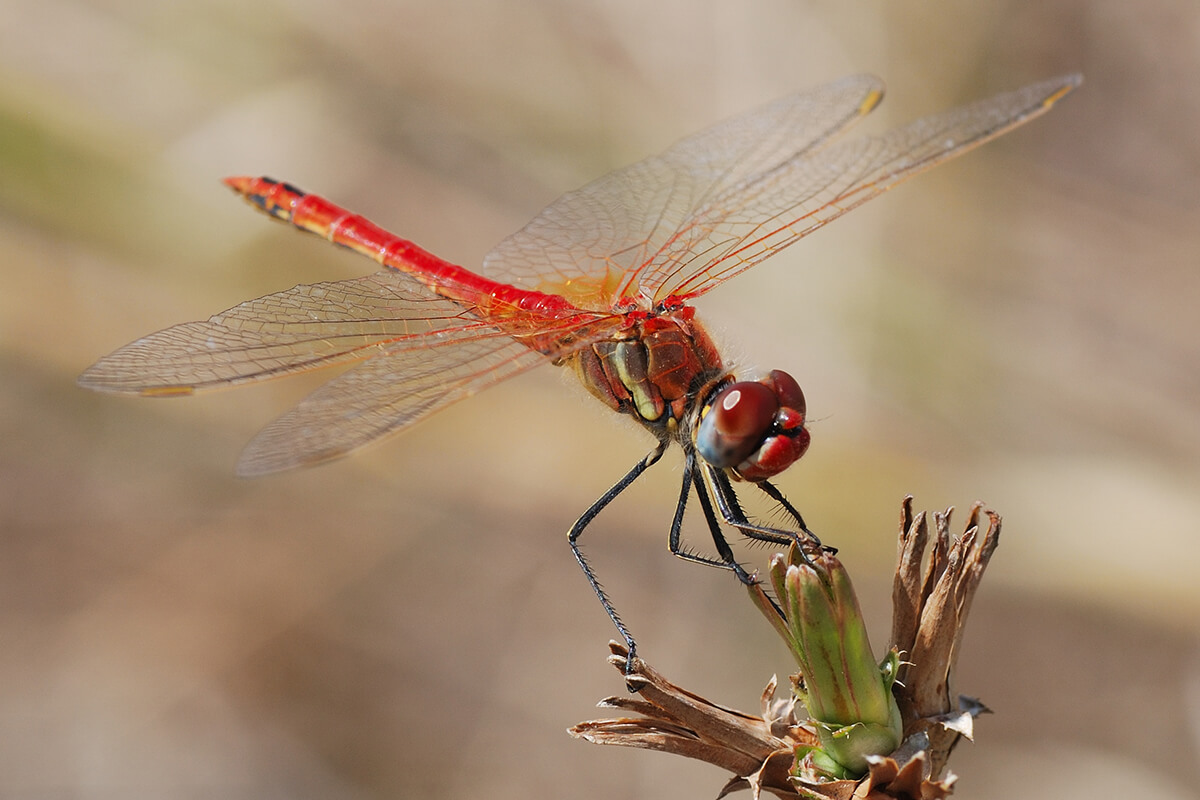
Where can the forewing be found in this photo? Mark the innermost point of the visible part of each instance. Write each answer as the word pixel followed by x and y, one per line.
pixel 594 245
pixel 419 353
pixel 303 328
pixel 734 230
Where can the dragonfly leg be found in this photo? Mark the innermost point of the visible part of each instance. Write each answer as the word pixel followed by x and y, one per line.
pixel 714 525
pixel 577 530
pixel 731 512
pixel 727 560
pixel 772 491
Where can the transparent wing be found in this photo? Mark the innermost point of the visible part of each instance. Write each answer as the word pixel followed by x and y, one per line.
pixel 380 396
pixel 303 328
pixel 593 245
pixel 720 202
pixel 420 353
pixel 753 222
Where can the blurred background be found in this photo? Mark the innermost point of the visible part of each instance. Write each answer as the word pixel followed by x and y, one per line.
pixel 1019 326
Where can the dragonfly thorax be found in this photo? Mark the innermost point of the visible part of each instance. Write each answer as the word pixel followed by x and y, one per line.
pixel 666 373
pixel 655 370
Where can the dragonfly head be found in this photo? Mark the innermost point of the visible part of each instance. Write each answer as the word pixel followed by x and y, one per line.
pixel 755 428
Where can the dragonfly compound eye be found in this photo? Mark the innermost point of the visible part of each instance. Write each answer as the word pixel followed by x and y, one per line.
pixel 737 420
pixel 787 390
pixel 755 427
pixel 787 439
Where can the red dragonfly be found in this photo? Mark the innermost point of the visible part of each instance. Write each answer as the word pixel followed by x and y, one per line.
pixel 600 281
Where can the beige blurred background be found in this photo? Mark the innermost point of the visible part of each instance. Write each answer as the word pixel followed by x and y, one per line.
pixel 1019 326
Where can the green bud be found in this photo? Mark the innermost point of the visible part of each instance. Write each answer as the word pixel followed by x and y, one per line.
pixel 847 694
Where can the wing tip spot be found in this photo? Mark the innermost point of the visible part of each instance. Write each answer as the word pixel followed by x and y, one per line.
pixel 873 99
pixel 1070 83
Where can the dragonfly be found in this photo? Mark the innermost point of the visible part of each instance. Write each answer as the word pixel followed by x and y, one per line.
pixel 600 282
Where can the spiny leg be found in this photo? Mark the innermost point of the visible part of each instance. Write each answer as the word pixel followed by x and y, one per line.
pixel 585 520
pixel 722 545
pixel 772 491
pixel 731 511
pixel 727 560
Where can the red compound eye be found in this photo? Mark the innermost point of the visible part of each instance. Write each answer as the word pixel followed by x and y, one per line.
pixel 787 390
pixel 736 422
pixel 755 428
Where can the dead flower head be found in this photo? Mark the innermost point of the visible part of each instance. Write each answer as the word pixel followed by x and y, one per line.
pixel 873 729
